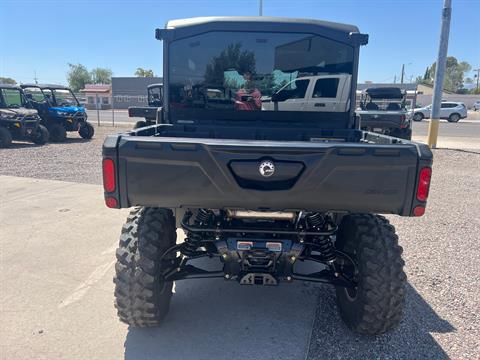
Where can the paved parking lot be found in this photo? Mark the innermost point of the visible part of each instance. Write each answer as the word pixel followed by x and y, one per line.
pixel 57 253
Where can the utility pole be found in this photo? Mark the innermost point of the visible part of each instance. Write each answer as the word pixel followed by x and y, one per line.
pixel 403 73
pixel 439 74
pixel 477 75
pixel 395 79
pixel 260 8
pixel 35 76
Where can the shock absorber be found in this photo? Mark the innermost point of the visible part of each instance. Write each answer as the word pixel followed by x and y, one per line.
pixel 193 241
pixel 323 243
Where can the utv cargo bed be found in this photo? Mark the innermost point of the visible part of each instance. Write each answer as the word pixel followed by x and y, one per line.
pixel 350 171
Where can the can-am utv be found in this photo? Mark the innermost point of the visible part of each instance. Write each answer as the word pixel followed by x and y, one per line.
pixel 155 101
pixel 383 110
pixel 60 110
pixel 259 190
pixel 18 120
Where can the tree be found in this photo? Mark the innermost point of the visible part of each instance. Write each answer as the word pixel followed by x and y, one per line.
pixel 454 74
pixel 140 72
pixel 78 76
pixel 101 76
pixel 232 58
pixel 7 80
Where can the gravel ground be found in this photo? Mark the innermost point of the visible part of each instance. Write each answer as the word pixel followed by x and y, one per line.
pixel 441 251
pixel 76 160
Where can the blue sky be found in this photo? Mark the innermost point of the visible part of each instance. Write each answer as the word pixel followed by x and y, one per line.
pixel 44 36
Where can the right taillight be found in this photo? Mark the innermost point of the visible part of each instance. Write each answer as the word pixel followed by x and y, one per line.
pixel 424 183
pixel 109 175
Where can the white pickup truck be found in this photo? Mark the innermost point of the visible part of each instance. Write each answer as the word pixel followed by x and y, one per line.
pixel 328 93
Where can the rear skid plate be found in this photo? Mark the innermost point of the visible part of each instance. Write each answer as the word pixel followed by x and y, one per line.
pixel 258 279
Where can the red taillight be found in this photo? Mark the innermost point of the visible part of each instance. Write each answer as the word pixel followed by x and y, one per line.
pixel 111 202
pixel 424 183
pixel 109 175
pixel 418 211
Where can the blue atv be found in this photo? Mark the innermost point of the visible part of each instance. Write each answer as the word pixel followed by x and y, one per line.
pixel 60 110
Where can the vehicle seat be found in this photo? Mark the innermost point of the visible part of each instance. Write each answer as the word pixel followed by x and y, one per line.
pixel 393 107
pixel 371 106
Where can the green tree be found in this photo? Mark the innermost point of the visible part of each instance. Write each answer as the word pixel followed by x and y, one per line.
pixel 140 72
pixel 232 58
pixel 78 76
pixel 7 80
pixel 454 74
pixel 101 76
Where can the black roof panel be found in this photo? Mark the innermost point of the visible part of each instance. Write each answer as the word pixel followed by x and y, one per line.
pixel 46 86
pixel 188 27
pixel 385 92
pixel 9 86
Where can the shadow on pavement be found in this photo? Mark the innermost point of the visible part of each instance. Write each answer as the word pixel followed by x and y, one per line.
pixel 411 340
pixel 214 319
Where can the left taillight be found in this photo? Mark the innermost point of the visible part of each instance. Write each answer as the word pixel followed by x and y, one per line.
pixel 109 183
pixel 423 187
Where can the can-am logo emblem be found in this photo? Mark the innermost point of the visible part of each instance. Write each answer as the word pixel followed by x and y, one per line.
pixel 266 168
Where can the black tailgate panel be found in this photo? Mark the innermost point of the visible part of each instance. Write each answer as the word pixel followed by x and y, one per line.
pixel 175 172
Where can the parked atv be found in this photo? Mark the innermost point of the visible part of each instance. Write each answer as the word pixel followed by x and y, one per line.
pixel 18 121
pixel 60 110
pixel 155 100
pixel 383 110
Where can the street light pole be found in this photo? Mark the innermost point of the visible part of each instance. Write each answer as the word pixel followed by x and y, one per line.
pixel 439 74
pixel 477 76
pixel 260 8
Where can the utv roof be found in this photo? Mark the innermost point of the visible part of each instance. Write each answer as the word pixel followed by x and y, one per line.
pixel 9 86
pixel 385 92
pixel 45 86
pixel 154 85
pixel 181 28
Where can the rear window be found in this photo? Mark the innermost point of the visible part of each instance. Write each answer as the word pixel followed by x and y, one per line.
pixel 326 88
pixel 234 75
pixel 448 105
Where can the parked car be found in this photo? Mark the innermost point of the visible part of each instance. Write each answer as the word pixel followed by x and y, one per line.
pixel 383 110
pixel 59 109
pixel 452 111
pixel 476 105
pixel 259 191
pixel 322 93
pixel 18 120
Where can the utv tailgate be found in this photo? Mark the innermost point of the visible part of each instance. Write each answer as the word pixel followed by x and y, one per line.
pixel 315 176
pixel 381 119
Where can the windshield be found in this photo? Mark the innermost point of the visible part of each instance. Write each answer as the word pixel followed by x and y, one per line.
pixel 64 97
pixel 221 75
pixel 34 94
pixel 12 98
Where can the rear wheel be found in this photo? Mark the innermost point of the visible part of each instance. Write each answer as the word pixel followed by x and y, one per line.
pixel 5 137
pixel 454 118
pixel 142 296
pixel 86 131
pixel 376 304
pixel 41 135
pixel 58 133
pixel 418 117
